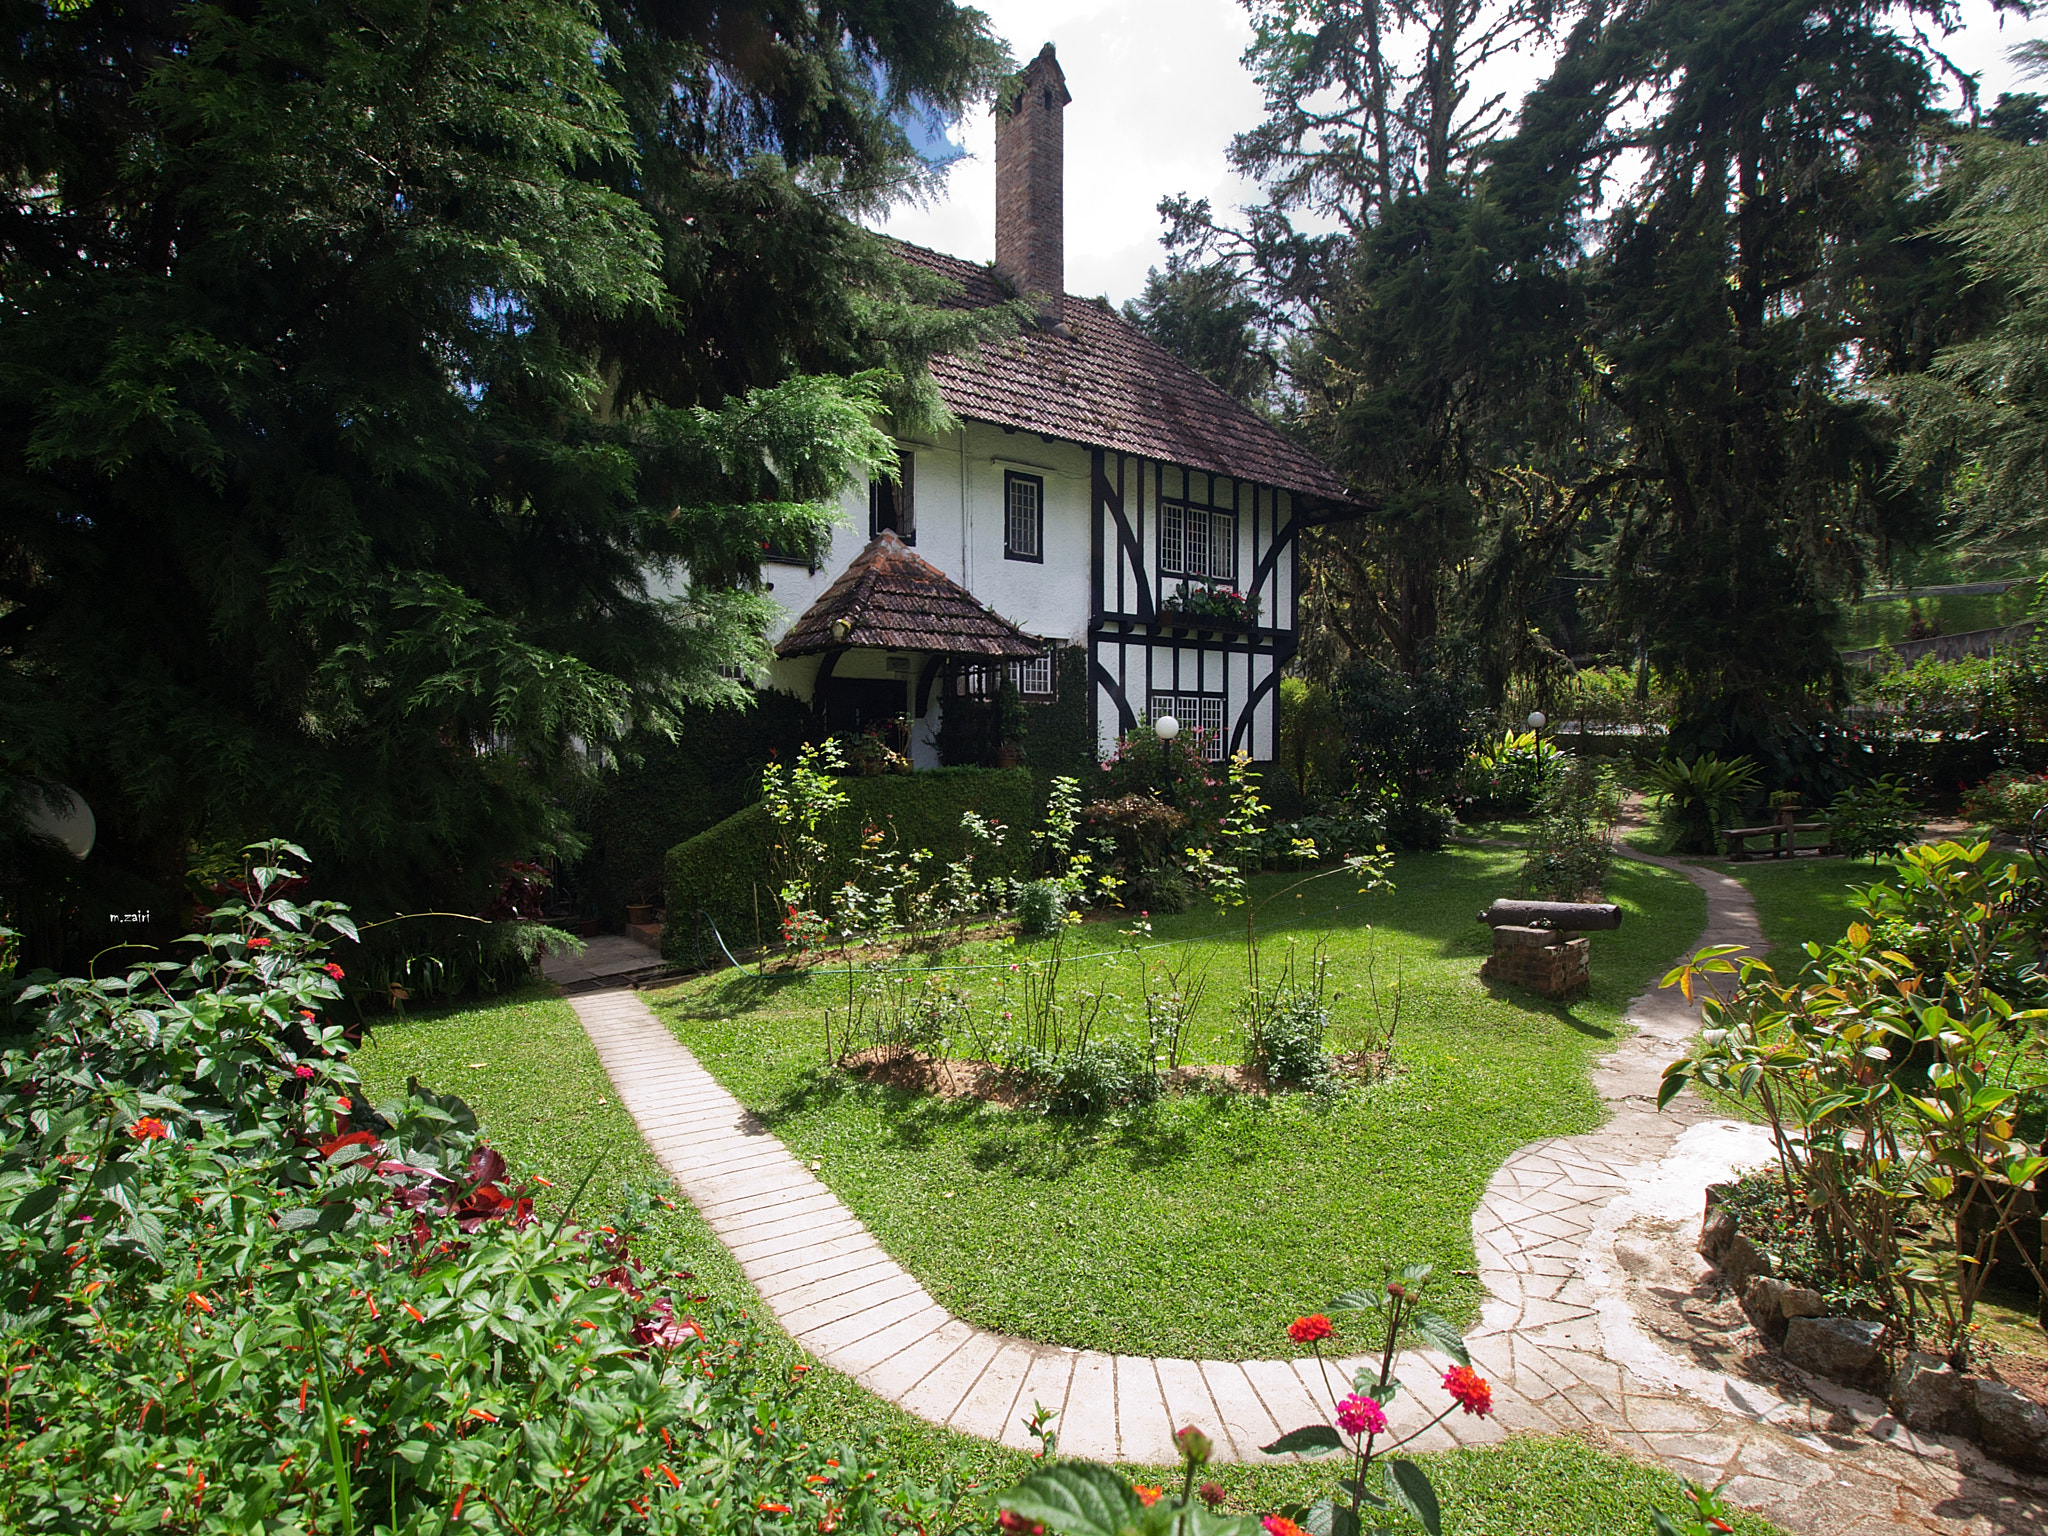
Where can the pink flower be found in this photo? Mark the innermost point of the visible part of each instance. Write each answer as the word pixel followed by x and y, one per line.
pixel 1361 1416
pixel 332 969
pixel 302 1070
pixel 1470 1389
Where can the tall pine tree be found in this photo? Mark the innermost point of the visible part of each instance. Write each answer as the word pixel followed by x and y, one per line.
pixel 395 398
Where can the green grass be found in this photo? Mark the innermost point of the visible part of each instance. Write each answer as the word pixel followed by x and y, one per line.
pixel 1803 902
pixel 538 1094
pixel 1200 1225
pixel 1868 624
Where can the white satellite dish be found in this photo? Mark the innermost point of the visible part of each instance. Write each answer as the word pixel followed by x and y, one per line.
pixel 73 826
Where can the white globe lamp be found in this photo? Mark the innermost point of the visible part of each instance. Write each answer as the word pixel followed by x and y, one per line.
pixel 1537 720
pixel 1167 727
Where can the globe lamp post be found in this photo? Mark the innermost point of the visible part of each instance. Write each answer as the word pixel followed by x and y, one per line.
pixel 1166 727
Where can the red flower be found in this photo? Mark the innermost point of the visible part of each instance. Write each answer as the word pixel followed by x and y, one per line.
pixel 302 1070
pixel 343 1105
pixel 332 969
pixel 259 942
pixel 1147 1496
pixel 1210 1494
pixel 149 1128
pixel 772 1509
pixel 1361 1416
pixel 1017 1525
pixel 1470 1389
pixel 1308 1330
pixel 1280 1525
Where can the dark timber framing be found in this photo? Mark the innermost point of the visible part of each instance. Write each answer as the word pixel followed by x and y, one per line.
pixel 1135 650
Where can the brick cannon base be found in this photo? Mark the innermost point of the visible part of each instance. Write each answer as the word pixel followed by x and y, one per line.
pixel 1540 959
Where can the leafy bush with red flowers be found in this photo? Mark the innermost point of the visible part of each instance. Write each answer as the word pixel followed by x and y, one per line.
pixel 234 1297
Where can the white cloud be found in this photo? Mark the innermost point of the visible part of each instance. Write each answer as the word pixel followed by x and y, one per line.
pixel 1158 92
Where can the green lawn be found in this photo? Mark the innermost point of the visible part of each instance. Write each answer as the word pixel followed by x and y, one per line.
pixel 1200 1225
pixel 1803 902
pixel 543 1097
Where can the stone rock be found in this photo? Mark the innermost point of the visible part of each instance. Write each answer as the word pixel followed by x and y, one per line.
pixel 1739 1260
pixel 1839 1348
pixel 2014 1427
pixel 1931 1399
pixel 1798 1301
pixel 1715 1232
pixel 1762 1304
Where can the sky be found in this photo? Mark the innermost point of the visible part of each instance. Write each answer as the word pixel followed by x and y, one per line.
pixel 1158 91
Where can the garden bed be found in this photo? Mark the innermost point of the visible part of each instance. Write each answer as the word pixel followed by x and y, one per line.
pixel 1196 1225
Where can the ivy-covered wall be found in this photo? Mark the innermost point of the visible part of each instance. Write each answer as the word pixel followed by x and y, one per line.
pixel 677 790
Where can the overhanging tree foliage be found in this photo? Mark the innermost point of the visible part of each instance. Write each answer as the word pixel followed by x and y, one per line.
pixel 395 398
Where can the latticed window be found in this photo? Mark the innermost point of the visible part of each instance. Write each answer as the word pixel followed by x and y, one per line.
pixel 1023 517
pixel 1197 542
pixel 1200 713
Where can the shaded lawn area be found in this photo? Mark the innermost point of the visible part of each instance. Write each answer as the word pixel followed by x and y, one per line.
pixel 538 1091
pixel 1198 1226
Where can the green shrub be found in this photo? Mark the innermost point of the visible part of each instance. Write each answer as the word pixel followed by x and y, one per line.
pixel 1878 817
pixel 728 872
pixel 1507 776
pixel 1095 1078
pixel 1701 797
pixel 235 1292
pixel 1042 908
pixel 1418 824
pixel 1285 1041
pixel 1571 849
pixel 2009 800
pixel 1163 890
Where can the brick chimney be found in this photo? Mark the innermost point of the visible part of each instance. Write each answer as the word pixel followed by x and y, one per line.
pixel 1030 183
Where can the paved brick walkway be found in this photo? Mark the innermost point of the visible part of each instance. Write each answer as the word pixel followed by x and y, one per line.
pixel 1556 1234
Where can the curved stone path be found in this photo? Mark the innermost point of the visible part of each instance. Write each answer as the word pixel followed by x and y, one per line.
pixel 1557 1234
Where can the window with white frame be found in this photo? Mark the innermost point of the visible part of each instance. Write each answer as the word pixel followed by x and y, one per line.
pixel 1197 542
pixel 1023 516
pixel 892 504
pixel 1200 713
pixel 1032 678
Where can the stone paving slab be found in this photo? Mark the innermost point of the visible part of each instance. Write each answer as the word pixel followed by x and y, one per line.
pixel 1556 1337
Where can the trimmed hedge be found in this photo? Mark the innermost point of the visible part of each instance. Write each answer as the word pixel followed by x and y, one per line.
pixel 728 872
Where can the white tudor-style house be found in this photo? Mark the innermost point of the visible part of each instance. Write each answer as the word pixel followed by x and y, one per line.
pixel 1098 493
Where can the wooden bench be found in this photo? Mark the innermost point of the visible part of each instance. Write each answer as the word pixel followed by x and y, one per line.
pixel 1784 840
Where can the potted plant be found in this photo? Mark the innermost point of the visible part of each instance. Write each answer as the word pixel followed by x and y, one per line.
pixel 1785 807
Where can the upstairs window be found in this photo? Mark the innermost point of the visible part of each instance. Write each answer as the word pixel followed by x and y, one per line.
pixel 892 504
pixel 1023 517
pixel 1197 542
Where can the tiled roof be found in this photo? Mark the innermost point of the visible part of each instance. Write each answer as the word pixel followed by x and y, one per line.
pixel 892 600
pixel 1108 385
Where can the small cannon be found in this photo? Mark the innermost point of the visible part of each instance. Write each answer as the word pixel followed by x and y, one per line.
pixel 1537 944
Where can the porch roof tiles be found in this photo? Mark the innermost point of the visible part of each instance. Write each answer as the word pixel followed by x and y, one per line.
pixel 890 599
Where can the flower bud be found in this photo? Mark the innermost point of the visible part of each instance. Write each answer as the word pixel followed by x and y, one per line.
pixel 1396 1289
pixel 1195 1446
pixel 1210 1494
